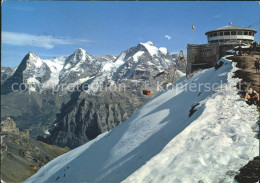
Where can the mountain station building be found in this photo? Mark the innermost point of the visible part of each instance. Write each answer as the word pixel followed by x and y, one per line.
pixel 219 41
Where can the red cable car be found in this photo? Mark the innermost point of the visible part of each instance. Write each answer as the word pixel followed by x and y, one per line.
pixel 147 92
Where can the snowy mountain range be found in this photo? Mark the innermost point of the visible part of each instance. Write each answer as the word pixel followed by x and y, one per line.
pixel 51 84
pixel 141 61
pixel 181 135
pixel 45 74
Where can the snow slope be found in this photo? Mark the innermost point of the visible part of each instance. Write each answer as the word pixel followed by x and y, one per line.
pixel 161 143
pixel 153 50
pixel 213 148
pixel 163 50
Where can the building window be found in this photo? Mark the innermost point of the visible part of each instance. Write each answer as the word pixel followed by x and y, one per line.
pixel 245 33
pixel 214 34
pixel 226 33
pixel 210 35
pixel 233 32
pixel 239 32
pixel 249 33
pixel 221 34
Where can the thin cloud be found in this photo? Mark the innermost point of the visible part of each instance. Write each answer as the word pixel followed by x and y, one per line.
pixel 45 41
pixel 168 37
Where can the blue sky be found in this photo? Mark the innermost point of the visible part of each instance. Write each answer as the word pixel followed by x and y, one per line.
pixel 58 28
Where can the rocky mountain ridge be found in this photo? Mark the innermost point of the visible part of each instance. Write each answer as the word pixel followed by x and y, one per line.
pixel 22 156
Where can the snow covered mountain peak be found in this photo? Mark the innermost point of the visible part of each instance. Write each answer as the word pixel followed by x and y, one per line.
pixel 148 43
pixel 34 60
pixel 32 55
pixel 142 61
pixel 80 54
pixel 80 51
pixel 151 48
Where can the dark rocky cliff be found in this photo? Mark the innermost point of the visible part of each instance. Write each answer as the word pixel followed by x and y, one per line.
pixel 92 115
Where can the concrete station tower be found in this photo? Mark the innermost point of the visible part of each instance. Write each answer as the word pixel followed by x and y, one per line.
pixel 219 41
